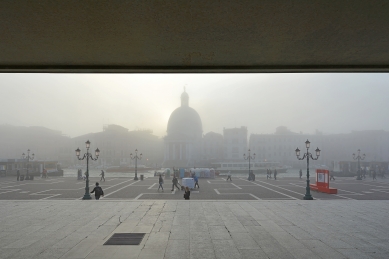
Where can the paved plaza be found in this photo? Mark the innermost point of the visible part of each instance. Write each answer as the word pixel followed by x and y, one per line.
pixel 195 229
pixel 284 188
pixel 46 218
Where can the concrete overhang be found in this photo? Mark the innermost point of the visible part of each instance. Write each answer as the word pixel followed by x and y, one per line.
pixel 194 36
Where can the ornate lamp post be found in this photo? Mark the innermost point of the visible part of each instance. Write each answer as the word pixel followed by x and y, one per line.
pixel 249 157
pixel 87 155
pixel 29 158
pixel 359 166
pixel 136 157
pixel 308 195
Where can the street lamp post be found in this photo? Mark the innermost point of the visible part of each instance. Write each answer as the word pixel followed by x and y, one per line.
pixel 87 155
pixel 28 157
pixel 249 157
pixel 359 157
pixel 308 195
pixel 136 157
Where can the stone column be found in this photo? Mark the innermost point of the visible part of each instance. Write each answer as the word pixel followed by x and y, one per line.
pixel 180 151
pixel 174 151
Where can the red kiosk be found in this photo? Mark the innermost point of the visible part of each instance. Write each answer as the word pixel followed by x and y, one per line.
pixel 323 182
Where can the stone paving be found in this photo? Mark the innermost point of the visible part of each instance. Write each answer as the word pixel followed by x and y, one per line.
pixel 284 188
pixel 196 229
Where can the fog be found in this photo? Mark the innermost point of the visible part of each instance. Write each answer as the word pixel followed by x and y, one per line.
pixel 78 104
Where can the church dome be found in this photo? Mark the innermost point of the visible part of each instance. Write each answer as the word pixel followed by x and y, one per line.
pixel 184 120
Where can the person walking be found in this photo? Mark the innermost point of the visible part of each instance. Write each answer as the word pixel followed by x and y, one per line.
pixel 175 181
pixel 160 181
pixel 102 175
pixel 98 191
pixel 17 175
pixel 196 179
pixel 275 174
pixel 187 193
pixel 374 175
pixel 332 176
pixel 300 173
pixel 229 176
pixel 270 172
pixel 267 173
pixel 252 176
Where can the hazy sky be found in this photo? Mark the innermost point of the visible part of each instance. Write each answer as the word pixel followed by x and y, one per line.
pixel 77 104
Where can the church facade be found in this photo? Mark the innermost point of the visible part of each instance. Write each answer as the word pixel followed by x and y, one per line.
pixel 182 145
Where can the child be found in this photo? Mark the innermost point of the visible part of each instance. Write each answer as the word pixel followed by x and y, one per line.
pixel 187 193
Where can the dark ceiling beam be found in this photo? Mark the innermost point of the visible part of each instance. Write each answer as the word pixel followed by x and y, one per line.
pixel 202 36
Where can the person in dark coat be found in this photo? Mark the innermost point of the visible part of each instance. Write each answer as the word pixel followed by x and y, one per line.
pixel 160 181
pixel 98 191
pixel 17 175
pixel 275 174
pixel 175 181
pixel 187 193
pixel 300 173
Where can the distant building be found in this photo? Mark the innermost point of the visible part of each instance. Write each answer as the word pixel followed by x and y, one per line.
pixel 45 143
pixel 116 143
pixel 235 143
pixel 281 146
pixel 182 145
pixel 213 144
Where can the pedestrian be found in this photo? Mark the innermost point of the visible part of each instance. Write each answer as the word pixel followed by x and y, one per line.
pixel 187 193
pixel 196 179
pixel 160 181
pixel 102 175
pixel 374 175
pixel 267 173
pixel 252 176
pixel 79 177
pixel 45 173
pixel 275 174
pixel 17 175
pixel 300 173
pixel 98 191
pixel 270 172
pixel 229 176
pixel 332 176
pixel 175 181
